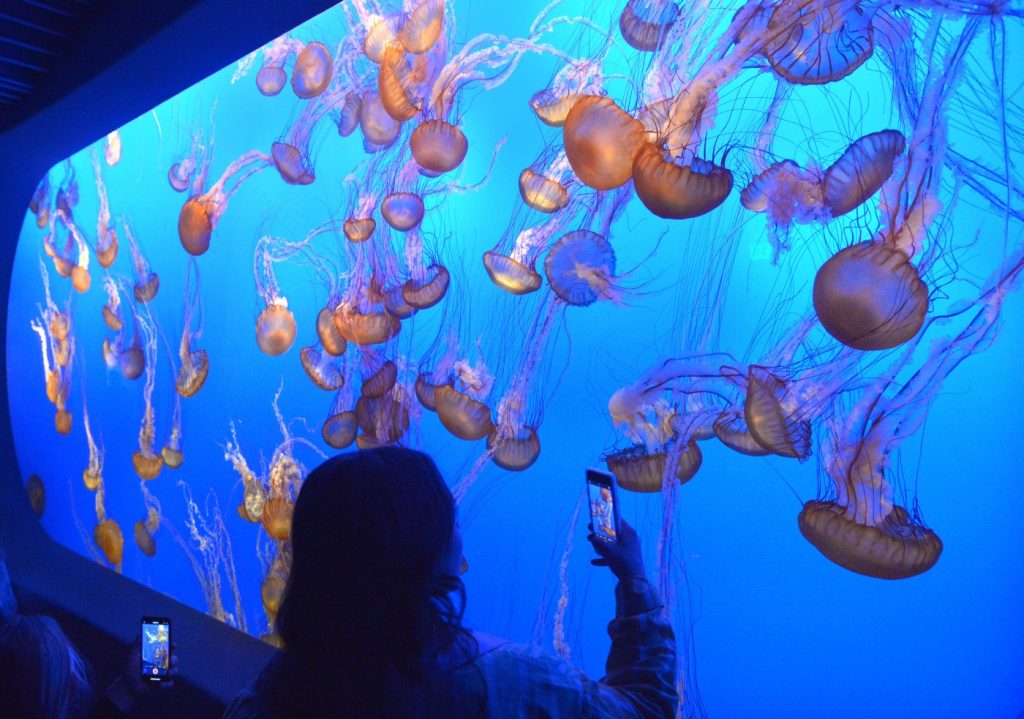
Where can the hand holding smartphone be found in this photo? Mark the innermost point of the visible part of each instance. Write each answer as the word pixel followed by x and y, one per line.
pixel 155 652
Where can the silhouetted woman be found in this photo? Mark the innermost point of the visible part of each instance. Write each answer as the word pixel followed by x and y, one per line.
pixel 371 618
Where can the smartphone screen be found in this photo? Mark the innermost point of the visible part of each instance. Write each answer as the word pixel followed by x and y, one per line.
pixel 156 648
pixel 603 512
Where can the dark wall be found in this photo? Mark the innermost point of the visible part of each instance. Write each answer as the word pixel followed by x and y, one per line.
pixel 131 56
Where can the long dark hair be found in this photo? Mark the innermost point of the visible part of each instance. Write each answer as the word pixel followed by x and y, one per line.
pixel 366 618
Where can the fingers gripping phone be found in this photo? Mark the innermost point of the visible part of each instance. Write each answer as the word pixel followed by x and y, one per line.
pixel 156 648
pixel 604 509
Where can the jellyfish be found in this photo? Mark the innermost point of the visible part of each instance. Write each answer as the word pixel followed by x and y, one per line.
pixel 254 495
pixel 322 368
pixel 313 71
pixel 201 212
pixel 36 491
pixel 380 130
pixel 341 426
pixel 383 420
pixel 189 172
pixel 275 324
pixel 580 268
pixel 428 289
pixel 512 265
pixel 271 77
pixel 601 142
pixel 291 153
pixel 402 210
pixel 145 529
pixel 861 170
pixel 146 462
pixel 769 421
pixel 172 453
pixel 576 79
pixel 379 377
pixel 110 540
pixel 676 191
pixel 112 148
pixel 195 363
pixel 423 27
pixel 365 327
pixel 400 85
pixel 438 146
pixel 347 118
pixel 39 204
pixel 147 282
pixel 660 448
pixel 787 194
pixel 92 475
pixel 645 24
pixel 460 404
pixel 106 235
pixel 814 44
pixel 126 353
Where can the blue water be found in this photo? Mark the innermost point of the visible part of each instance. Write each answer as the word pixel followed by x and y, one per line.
pixel 771 626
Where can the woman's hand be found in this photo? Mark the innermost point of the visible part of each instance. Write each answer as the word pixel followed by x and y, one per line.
pixel 129 688
pixel 623 557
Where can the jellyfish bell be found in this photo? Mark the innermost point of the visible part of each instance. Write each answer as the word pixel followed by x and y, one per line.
pixel 394 85
pixel 326 331
pixel 895 548
pixel 463 416
pixel 384 419
pixel 272 592
pixel 380 382
pixel 277 518
pixel 395 304
pixel 427 292
pixel 552 109
pixel 106 252
pixel 192 374
pixel 510 274
pixel 144 540
pixel 426 391
pixel 645 24
pixel 516 452
pixel 275 329
pixel 438 146
pixel 347 117
pixel 815 44
pixel 63 265
pixel 146 288
pixel 323 374
pixel 870 297
pixel 402 210
pixel 379 128
pixel 270 80
pixel 689 462
pixel 91 479
pixel 339 430
pixel 541 193
pixel 423 27
pixel 53 379
pixel 861 170
pixel 62 352
pixel 179 175
pixel 172 458
pixel 676 191
pixel 109 539
pixel 731 429
pixel 195 226
pixel 579 268
pixel 290 164
pixel 365 328
pixel 768 422
pixel 81 280
pixel 36 491
pixel 638 470
pixel 313 71
pixel 359 229
pixel 62 421
pixel 254 499
pixel 382 35
pixel 110 358
pixel 132 362
pixel 786 192
pixel 601 142
pixel 147 464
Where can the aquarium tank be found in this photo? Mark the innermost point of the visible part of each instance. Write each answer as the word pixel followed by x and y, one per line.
pixel 758 260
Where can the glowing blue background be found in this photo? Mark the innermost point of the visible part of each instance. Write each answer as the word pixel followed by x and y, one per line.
pixel 778 630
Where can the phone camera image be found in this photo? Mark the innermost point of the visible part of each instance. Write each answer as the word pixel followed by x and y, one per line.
pixel 602 511
pixel 156 650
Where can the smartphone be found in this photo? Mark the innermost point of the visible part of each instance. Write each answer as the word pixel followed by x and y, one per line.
pixel 604 510
pixel 156 648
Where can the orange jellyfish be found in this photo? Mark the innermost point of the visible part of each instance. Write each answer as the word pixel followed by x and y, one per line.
pixel 638 469
pixel 770 416
pixel 254 495
pixel 645 24
pixel 146 462
pixel 340 428
pixel 313 71
pixel 321 368
pixel 112 148
pixel 190 171
pixel 275 324
pixel 271 78
pixel 383 420
pixel 379 381
pixel 109 539
pixel 438 146
pixel 92 475
pixel 679 191
pixel 601 142
pixel 542 193
pixel 327 332
pixel 861 170
pixel 195 363
pixel 106 236
pixel 36 491
pixel 381 33
pixel 402 210
pixel 146 529
pixel 423 26
pixel 814 44
pixel 365 327
pixel 510 274
pixel 463 412
pixel 400 84
pixel 380 130
pixel 147 282
pixel 427 290
pixel 39 204
pixel 201 212
pixel 172 452
pixel 347 118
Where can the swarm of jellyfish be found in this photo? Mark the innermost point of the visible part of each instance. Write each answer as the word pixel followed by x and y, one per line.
pixel 650 115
